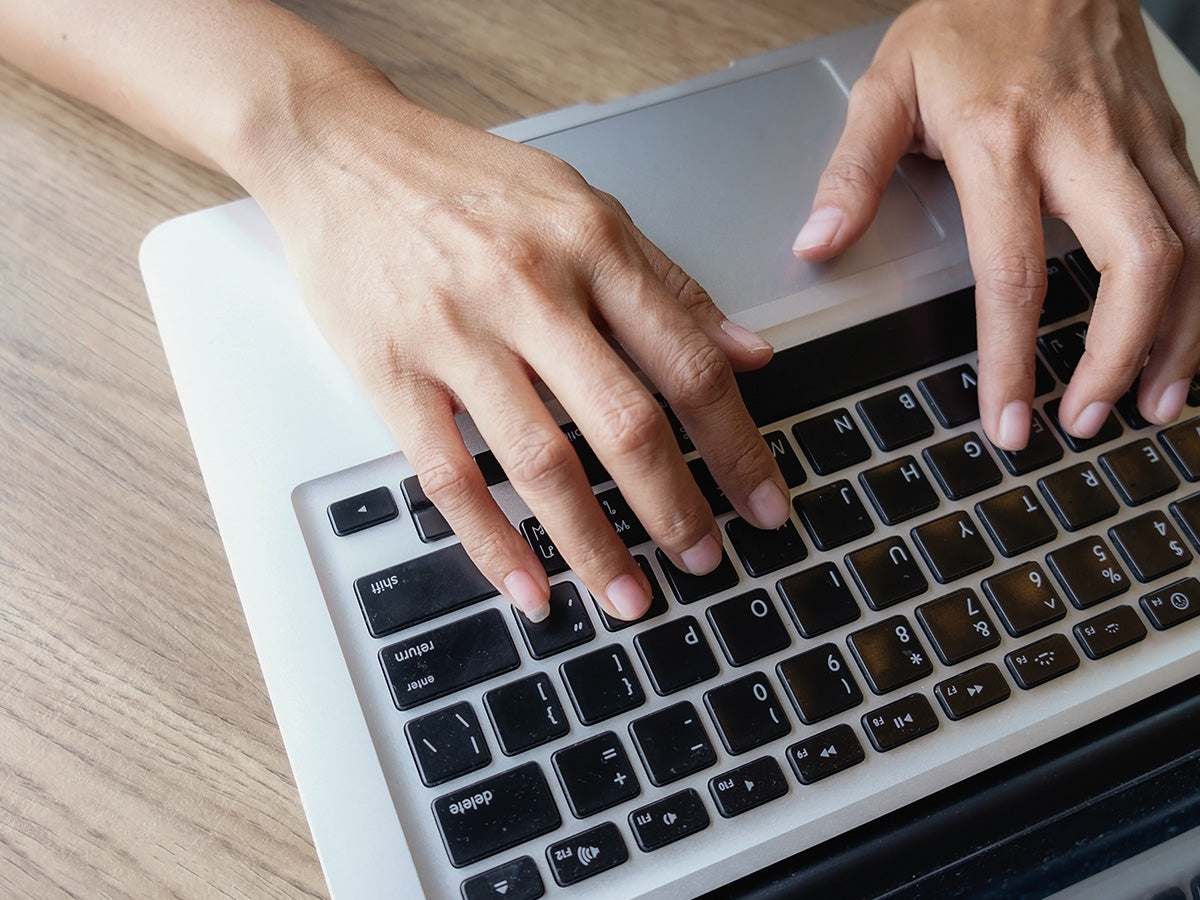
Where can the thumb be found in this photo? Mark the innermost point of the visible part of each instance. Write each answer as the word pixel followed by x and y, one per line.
pixel 879 130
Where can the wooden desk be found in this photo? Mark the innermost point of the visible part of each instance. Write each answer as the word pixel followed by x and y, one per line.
pixel 138 753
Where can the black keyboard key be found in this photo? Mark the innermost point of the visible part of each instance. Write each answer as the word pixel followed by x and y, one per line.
pixel 1151 546
pixel 602 684
pixel 1084 270
pixel 1187 514
pixel 448 658
pixel 1127 407
pixel 825 754
pixel 517 880
pixel 818 600
pixel 584 855
pixel 886 573
pixel 621 517
pixel 969 692
pixel 1112 630
pixel 1042 661
pixel 490 816
pixel 493 473
pixel 672 743
pixel 952 546
pixel 748 627
pixel 890 654
pixel 543 546
pixel 658 601
pixel 1182 443
pixel 895 418
pixel 676 655
pixel 717 501
pixel 1139 471
pixel 962 466
pixel 595 774
pixel 899 722
pixel 668 820
pixel 1024 598
pixel 1063 296
pixel 831 441
pixel 958 626
pixel 1016 521
pixel 899 490
pixel 362 511
pixel 567 625
pixel 785 458
pixel 1063 348
pixel 1175 603
pixel 431 525
pixel 1042 450
pixel 447 743
pixel 1088 572
pixel 526 714
pixel 420 589
pixel 833 515
pixel 414 495
pixel 1079 496
pixel 747 787
pixel 747 713
pixel 819 683
pixel 762 552
pixel 953 395
pixel 689 588
pixel 1109 431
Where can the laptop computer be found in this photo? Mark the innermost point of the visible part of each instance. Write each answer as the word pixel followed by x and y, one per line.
pixel 898 694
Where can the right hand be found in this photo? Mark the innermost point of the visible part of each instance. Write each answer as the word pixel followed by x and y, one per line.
pixel 451 268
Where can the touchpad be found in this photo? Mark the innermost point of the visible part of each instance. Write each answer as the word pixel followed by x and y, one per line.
pixel 723 178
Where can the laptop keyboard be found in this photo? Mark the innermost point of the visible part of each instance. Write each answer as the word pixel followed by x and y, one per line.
pixel 933 606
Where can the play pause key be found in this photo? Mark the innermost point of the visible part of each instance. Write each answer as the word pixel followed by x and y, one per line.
pixel 587 854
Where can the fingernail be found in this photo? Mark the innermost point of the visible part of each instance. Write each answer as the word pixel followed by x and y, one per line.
pixel 745 338
pixel 526 595
pixel 1014 425
pixel 627 597
pixel 1089 422
pixel 769 504
pixel 703 556
pixel 820 229
pixel 1170 403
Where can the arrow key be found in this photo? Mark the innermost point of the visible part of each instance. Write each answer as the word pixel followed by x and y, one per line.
pixel 824 754
pixel 969 692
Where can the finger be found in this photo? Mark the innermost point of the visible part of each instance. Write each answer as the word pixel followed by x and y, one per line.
pixel 697 381
pixel 1128 236
pixel 1002 219
pixel 743 348
pixel 422 415
pixel 546 472
pixel 628 431
pixel 1176 354
pixel 879 130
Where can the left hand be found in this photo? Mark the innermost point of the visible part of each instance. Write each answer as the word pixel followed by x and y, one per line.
pixel 1039 108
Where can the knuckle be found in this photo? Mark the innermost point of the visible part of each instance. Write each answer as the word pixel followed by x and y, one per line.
pixel 850 173
pixel 1155 249
pixel 1017 279
pixel 631 424
pixel 700 376
pixel 678 529
pixel 539 456
pixel 448 483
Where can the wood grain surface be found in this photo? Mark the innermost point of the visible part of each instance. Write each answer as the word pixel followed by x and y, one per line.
pixel 138 752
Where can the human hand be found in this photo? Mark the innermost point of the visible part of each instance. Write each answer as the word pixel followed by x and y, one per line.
pixel 1039 108
pixel 451 269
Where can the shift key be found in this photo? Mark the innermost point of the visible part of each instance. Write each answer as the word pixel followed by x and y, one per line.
pixel 447 658
pixel 495 814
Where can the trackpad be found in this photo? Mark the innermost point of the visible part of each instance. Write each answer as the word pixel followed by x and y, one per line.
pixel 722 179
